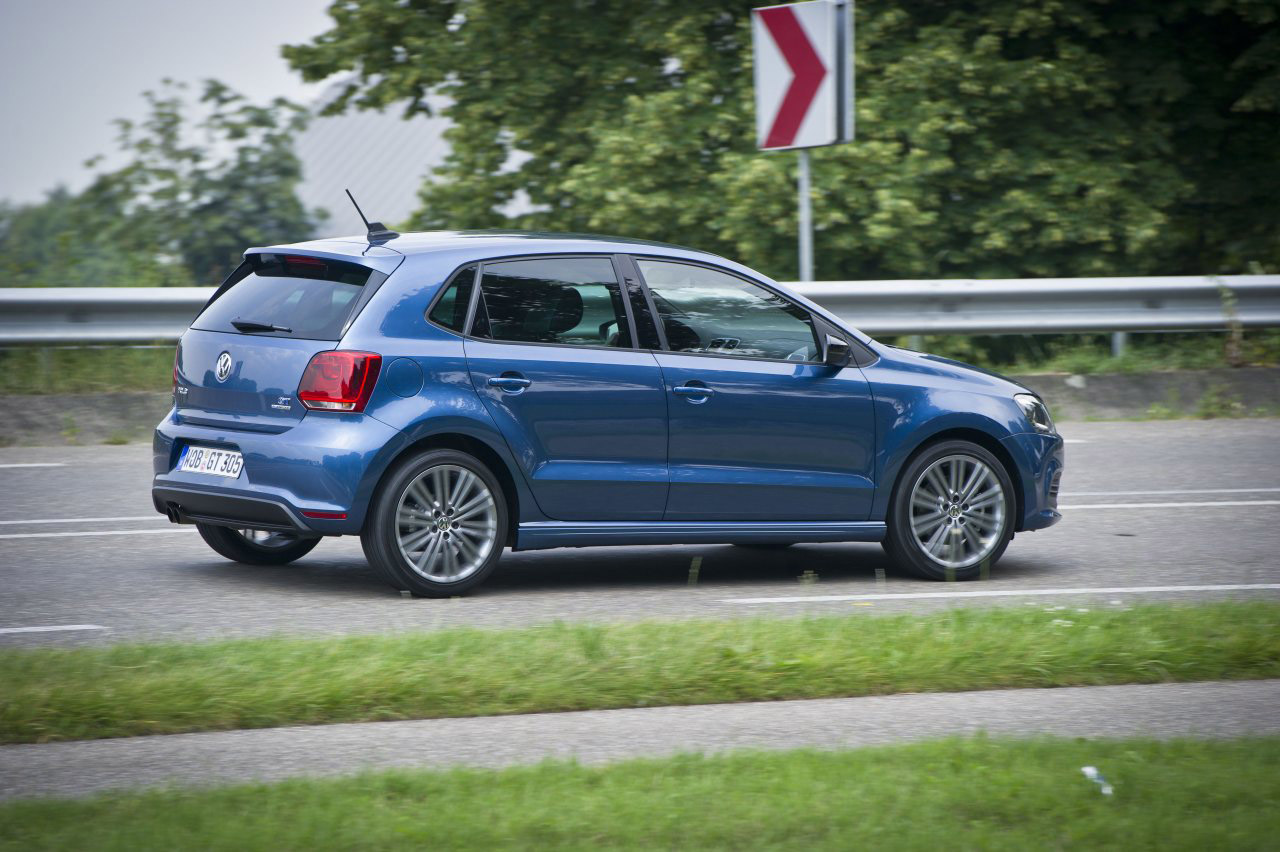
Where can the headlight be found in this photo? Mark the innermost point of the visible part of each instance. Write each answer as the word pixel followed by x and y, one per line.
pixel 1036 411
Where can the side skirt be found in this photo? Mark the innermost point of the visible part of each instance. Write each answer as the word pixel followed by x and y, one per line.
pixel 538 535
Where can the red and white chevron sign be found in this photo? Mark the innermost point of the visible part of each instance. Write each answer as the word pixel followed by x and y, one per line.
pixel 803 74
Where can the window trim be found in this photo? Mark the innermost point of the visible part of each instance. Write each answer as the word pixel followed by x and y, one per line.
pixel 475 299
pixel 813 318
pixel 438 296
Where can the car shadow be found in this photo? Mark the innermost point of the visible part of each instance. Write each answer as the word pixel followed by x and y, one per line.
pixel 582 569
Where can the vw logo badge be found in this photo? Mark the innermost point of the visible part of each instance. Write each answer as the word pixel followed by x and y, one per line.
pixel 224 366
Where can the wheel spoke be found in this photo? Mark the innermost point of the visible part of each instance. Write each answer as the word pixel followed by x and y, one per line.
pixel 936 539
pixel 466 549
pixel 414 541
pixel 928 525
pixel 461 488
pixel 984 523
pixel 426 560
pixel 986 498
pixel 408 517
pixel 420 496
pixel 475 508
pixel 939 486
pixel 976 478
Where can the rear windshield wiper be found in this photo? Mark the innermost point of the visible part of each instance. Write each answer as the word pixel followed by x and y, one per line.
pixel 254 325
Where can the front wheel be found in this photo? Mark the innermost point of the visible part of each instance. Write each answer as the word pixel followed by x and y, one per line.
pixel 951 516
pixel 437 525
pixel 256 547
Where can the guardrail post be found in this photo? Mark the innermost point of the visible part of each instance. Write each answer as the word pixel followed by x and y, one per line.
pixel 1119 340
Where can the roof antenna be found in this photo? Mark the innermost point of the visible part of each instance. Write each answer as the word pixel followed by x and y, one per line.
pixel 378 232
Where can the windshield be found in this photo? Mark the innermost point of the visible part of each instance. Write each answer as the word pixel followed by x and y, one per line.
pixel 288 296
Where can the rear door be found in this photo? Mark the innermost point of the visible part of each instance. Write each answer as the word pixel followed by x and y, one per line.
pixel 761 429
pixel 240 362
pixel 583 411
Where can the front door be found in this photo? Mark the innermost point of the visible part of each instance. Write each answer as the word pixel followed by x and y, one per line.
pixel 760 428
pixel 583 412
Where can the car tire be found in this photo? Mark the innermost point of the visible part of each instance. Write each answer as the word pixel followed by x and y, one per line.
pixel 256 547
pixel 437 525
pixel 952 512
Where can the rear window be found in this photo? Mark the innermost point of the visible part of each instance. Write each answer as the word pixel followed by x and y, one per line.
pixel 311 297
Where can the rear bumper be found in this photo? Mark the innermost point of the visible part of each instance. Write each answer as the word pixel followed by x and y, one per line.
pixel 195 506
pixel 328 463
pixel 1039 459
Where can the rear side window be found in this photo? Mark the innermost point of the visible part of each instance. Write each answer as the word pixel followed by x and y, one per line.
pixel 572 301
pixel 451 308
pixel 303 297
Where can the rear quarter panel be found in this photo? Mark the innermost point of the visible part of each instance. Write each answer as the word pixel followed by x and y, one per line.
pixel 425 389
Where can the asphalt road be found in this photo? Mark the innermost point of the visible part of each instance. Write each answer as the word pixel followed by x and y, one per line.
pixel 1152 505
pixel 1157 711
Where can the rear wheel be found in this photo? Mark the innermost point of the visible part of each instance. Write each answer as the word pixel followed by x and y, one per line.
pixel 437 525
pixel 256 547
pixel 951 517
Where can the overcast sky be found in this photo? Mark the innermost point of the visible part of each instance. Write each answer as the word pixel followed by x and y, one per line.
pixel 71 66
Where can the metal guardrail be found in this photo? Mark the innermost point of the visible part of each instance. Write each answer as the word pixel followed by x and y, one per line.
pixel 62 315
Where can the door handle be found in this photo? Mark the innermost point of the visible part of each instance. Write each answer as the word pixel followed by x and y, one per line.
pixel 508 383
pixel 694 393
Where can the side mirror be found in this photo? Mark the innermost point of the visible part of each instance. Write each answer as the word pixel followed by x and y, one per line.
pixel 837 352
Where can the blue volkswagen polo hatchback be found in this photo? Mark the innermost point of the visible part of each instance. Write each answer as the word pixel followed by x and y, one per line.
pixel 448 395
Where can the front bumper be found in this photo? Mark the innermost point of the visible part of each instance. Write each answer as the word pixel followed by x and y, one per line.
pixel 327 463
pixel 1039 459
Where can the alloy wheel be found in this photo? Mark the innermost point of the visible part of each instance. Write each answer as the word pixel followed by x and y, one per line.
pixel 446 523
pixel 957 511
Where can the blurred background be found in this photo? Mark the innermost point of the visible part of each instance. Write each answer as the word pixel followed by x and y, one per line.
pixel 152 142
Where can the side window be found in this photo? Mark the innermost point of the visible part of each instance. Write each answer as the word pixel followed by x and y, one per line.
pixel 573 301
pixel 704 310
pixel 451 309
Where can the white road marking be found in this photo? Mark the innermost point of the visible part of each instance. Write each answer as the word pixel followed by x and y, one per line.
pixel 1074 441
pixel 1010 593
pixel 35 464
pixel 53 628
pixel 99 532
pixel 1173 491
pixel 155 517
pixel 1200 504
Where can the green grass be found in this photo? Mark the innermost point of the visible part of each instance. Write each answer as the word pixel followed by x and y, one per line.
pixel 126 690
pixel 1091 353
pixel 100 369
pixel 952 794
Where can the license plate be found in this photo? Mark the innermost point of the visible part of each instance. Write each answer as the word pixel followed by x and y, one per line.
pixel 226 463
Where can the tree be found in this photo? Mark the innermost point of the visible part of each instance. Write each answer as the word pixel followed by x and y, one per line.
pixel 193 194
pixel 1006 138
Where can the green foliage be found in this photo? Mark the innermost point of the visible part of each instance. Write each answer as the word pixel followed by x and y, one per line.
pixel 129 690
pixel 1009 138
pixel 194 193
pixel 974 793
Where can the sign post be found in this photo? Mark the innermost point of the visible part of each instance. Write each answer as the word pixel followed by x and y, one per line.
pixel 804 89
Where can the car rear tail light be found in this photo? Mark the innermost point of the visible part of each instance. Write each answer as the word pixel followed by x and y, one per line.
pixel 339 381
